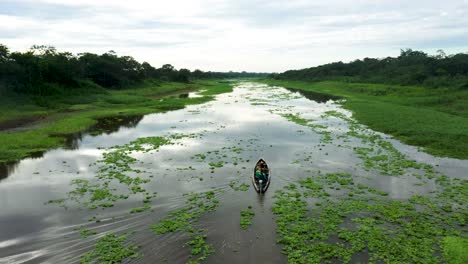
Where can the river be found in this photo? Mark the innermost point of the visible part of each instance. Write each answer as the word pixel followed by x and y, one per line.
pixel 236 128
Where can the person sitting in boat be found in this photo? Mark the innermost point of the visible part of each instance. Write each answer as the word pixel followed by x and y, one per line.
pixel 261 173
pixel 264 168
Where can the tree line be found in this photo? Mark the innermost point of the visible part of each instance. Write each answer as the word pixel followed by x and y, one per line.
pixel 411 67
pixel 43 70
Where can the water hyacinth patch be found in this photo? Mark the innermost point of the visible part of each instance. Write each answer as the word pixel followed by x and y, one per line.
pixel 111 248
pixel 116 172
pixel 246 217
pixel 237 186
pixel 316 225
pixel 183 220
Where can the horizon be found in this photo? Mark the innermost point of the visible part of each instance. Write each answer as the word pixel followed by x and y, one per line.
pixel 222 36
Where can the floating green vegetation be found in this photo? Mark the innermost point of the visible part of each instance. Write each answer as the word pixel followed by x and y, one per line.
pixel 455 250
pixel 199 157
pixel 140 209
pixel 185 168
pixel 84 232
pixel 176 136
pixel 237 186
pixel 116 173
pixel 111 248
pixel 220 157
pixel 320 129
pixel 233 149
pixel 279 96
pixel 258 103
pixel 331 218
pixel 246 217
pixel 379 154
pixel 199 248
pixel 218 164
pixel 295 118
pixel 339 115
pixel 327 138
pixel 183 220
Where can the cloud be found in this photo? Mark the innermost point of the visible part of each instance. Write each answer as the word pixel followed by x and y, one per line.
pixel 254 35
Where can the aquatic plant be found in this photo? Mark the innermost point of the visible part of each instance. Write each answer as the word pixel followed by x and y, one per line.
pixel 110 248
pixel 199 248
pixel 184 219
pixel 246 217
pixel 367 224
pixel 237 186
pixel 116 171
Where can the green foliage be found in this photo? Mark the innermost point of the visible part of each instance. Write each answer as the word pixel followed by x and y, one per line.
pixel 319 129
pixel 111 248
pixel 140 209
pixel 200 248
pixel 44 71
pixel 84 233
pixel 116 170
pixel 218 164
pixel 184 220
pixel 246 217
pixel 410 68
pixel 455 249
pixel 237 186
pixel 220 157
pixel 367 224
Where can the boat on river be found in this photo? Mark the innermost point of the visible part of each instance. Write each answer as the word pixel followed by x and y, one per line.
pixel 261 185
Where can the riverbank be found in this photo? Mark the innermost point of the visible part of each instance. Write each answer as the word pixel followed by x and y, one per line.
pixel 434 119
pixel 35 124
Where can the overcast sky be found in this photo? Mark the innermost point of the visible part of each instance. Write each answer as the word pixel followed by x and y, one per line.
pixel 251 35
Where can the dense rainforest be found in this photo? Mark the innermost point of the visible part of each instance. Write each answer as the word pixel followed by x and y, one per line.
pixel 43 70
pixel 411 67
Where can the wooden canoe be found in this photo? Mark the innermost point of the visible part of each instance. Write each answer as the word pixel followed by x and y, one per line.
pixel 261 186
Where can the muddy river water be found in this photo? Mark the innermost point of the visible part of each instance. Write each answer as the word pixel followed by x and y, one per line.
pixel 232 131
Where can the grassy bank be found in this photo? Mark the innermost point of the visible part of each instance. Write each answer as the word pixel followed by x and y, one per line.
pixel 435 119
pixel 50 119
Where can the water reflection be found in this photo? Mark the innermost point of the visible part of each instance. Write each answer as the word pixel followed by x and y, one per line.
pixel 261 200
pixel 108 125
pixel 7 169
pixel 105 125
pixel 317 97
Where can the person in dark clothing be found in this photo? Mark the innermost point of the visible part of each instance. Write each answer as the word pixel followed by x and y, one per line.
pixel 261 172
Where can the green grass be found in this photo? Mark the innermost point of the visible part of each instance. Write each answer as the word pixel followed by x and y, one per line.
pixel 77 112
pixel 435 119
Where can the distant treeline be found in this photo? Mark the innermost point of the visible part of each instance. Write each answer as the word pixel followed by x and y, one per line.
pixel 410 68
pixel 44 71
